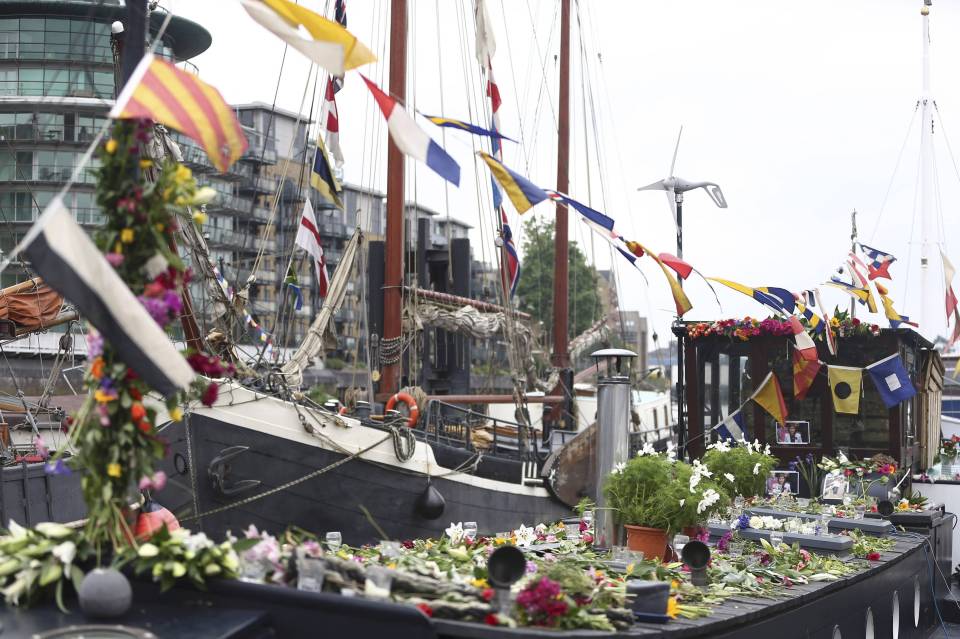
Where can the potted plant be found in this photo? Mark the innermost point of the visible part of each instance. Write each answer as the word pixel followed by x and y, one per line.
pixel 652 496
pixel 740 469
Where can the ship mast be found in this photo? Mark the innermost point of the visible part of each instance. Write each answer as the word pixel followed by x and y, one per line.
pixel 931 319
pixel 561 357
pixel 393 271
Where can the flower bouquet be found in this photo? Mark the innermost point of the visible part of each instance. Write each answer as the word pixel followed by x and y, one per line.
pixel 744 468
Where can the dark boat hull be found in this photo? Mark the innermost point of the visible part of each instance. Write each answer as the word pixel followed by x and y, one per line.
pixel 338 499
pixel 29 495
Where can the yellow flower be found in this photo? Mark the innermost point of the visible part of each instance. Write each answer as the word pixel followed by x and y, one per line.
pixel 480 583
pixel 167 193
pixel 118 248
pixel 499 541
pixel 103 397
pixel 111 146
pixel 672 608
pixel 674 584
pixel 146 164
pixel 182 174
pixel 126 235
pixel 113 469
pixel 834 322
pixel 391 565
pixel 176 414
pixel 159 227
pixel 200 217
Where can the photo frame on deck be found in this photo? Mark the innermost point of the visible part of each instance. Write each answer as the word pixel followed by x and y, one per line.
pixel 783 481
pixel 835 486
pixel 793 433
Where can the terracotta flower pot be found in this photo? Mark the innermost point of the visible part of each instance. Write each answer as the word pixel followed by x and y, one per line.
pixel 651 541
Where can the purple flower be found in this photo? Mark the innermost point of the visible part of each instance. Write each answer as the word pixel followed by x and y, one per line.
pixel 57 468
pixel 115 259
pixel 173 302
pixel 531 567
pixel 104 415
pixel 157 482
pixel 41 447
pixel 157 309
pixel 724 542
pixel 792 465
pixel 809 458
pixel 743 522
pixel 94 344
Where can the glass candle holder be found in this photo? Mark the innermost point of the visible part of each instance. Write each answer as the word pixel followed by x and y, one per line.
pixel 776 538
pixel 378 582
pixel 470 530
pixel 334 541
pixel 310 572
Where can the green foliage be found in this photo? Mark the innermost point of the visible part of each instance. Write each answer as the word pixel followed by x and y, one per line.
pixel 321 393
pixel 535 289
pixel 335 364
pixel 647 491
pixel 740 461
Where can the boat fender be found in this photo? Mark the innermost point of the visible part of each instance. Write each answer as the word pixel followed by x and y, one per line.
pixel 343 410
pixel 430 504
pixel 411 403
pixel 152 518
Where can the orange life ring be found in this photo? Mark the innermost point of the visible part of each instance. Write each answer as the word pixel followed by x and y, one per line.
pixel 411 406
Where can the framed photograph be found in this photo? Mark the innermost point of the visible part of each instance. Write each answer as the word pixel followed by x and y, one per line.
pixel 793 433
pixel 783 481
pixel 835 486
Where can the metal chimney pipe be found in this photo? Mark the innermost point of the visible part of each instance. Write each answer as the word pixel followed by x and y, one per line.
pixel 613 431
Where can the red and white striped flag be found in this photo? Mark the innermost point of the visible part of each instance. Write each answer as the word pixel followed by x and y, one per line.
pixel 308 238
pixel 333 123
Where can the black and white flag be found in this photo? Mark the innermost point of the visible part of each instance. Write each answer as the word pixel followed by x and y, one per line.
pixel 71 264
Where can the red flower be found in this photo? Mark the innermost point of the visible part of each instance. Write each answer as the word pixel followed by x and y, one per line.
pixel 144 426
pixel 407 544
pixel 491 620
pixel 134 393
pixel 425 609
pixel 137 411
pixel 873 556
pixel 488 594
pixel 210 395
pixel 847 472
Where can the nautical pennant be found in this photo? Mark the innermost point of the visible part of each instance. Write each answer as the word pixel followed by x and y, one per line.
pixel 828 330
pixel 330 45
pixel 732 427
pixel 895 318
pixel 411 139
pixel 770 398
pixel 159 91
pixel 466 126
pixel 804 373
pixel 322 177
pixel 879 262
pixel 892 380
pixel 71 264
pixel 513 259
pixel 522 192
pixel 845 385
pixel 333 122
pixel 951 297
pixel 308 238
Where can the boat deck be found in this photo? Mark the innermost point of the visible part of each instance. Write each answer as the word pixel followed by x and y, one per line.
pixel 811 610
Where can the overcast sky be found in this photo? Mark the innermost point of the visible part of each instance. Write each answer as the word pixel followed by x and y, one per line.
pixel 798 110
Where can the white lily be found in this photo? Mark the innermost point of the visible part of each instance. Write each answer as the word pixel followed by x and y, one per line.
pixel 756 468
pixel 455 532
pixel 525 536
pixel 618 468
pixel 65 552
pixel 730 477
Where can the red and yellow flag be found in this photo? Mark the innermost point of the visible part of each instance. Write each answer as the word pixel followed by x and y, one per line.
pixel 770 398
pixel 804 373
pixel 159 91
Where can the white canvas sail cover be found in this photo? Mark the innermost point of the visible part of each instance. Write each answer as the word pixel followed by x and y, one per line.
pixel 313 343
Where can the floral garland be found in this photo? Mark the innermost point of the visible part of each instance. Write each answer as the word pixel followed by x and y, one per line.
pixel 114 433
pixel 742 330
pixel 845 326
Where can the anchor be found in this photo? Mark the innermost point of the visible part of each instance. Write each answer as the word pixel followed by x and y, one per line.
pixel 219 471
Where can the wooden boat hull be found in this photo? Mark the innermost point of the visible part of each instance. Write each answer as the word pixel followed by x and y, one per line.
pixel 277 449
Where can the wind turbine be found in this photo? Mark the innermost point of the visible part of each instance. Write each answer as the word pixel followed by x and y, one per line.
pixel 674 188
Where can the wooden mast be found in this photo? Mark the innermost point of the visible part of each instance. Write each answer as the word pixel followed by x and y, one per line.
pixel 561 357
pixel 393 271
